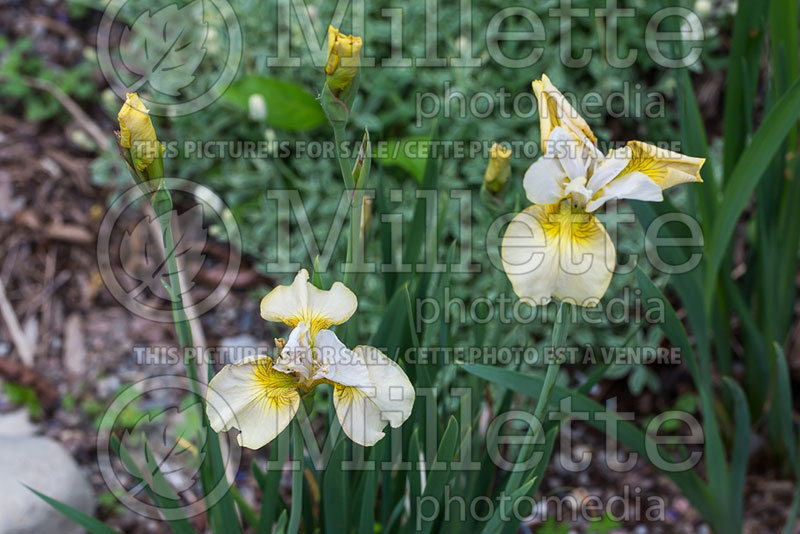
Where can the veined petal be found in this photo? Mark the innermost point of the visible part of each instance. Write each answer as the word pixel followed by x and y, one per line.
pixel 303 302
pixel 664 167
pixel 253 397
pixel 633 185
pixel 381 394
pixel 556 251
pixel 544 181
pixel 555 110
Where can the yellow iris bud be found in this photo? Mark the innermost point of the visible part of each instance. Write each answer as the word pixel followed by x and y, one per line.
pixel 498 169
pixel 344 58
pixel 137 133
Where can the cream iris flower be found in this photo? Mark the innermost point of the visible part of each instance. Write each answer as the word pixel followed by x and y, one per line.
pixel 260 396
pixel 557 248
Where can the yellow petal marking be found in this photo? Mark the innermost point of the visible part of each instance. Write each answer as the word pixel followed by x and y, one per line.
pixel 279 389
pixel 664 167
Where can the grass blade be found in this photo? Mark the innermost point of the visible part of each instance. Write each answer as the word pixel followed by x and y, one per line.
pixel 86 521
pixel 417 231
pixel 439 477
pixel 248 514
pixel 496 523
pixel 626 433
pixel 718 476
pixel 741 450
pixel 693 133
pixel 335 491
pixel 366 518
pixel 270 484
pixel 745 177
pixel 748 33
pixel 155 485
pixel 784 407
pixel 414 474
pixel 296 507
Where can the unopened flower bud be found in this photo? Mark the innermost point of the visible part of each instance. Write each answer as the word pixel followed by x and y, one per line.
pixel 498 169
pixel 140 147
pixel 136 132
pixel 344 58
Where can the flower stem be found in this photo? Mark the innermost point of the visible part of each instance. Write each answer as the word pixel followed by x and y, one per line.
pixel 296 507
pixel 221 515
pixel 560 331
pixel 340 138
pixel 162 205
pixel 355 200
pixel 354 241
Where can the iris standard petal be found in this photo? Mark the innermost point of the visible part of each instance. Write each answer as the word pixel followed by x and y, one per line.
pixel 609 168
pixel 297 355
pixel 568 150
pixel 555 110
pixel 303 302
pixel 544 181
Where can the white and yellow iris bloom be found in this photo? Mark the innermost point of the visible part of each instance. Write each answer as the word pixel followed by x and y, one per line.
pixel 260 396
pixel 557 248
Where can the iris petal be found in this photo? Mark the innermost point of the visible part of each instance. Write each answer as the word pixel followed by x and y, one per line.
pixel 556 251
pixel 253 397
pixel 303 302
pixel 383 394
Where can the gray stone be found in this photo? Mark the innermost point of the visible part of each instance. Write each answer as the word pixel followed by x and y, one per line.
pixel 17 423
pixel 45 466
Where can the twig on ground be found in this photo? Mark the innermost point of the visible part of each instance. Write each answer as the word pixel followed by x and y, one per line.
pixel 84 121
pixel 17 336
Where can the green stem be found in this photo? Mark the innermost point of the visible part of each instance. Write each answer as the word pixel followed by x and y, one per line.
pixel 296 507
pixel 354 238
pixel 354 241
pixel 340 137
pixel 222 515
pixel 560 331
pixel 162 205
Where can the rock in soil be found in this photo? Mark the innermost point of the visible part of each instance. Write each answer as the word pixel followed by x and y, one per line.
pixel 45 466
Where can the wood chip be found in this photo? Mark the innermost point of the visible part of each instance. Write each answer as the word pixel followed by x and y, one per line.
pixel 74 355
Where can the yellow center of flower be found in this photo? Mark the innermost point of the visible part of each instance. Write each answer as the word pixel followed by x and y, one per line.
pixel 277 388
pixel 566 224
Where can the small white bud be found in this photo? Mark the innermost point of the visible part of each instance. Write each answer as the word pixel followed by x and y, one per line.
pixel 256 107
